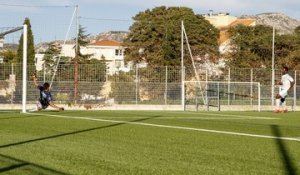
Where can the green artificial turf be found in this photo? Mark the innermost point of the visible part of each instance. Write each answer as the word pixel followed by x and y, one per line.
pixel 171 144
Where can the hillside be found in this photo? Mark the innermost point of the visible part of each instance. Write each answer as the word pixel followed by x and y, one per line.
pixel 283 23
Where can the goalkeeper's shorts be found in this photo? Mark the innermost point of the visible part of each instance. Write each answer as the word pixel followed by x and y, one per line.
pixel 283 93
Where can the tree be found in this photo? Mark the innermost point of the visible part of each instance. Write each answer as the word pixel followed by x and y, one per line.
pixel 297 30
pixel 30 45
pixel 51 56
pixel 251 46
pixel 81 40
pixel 9 56
pixel 155 36
pixel 288 51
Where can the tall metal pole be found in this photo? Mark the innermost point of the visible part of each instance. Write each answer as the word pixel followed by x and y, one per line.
pixel 166 86
pixel 76 59
pixel 295 91
pixel 273 67
pixel 182 70
pixel 24 94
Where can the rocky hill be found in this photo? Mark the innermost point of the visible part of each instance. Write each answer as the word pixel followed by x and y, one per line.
pixel 282 23
pixel 111 35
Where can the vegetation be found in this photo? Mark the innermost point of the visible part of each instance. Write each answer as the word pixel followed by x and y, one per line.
pixel 252 48
pixel 9 56
pixel 30 45
pixel 155 36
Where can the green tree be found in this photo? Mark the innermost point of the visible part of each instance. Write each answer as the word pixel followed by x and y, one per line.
pixel 51 56
pixel 155 36
pixel 287 51
pixel 297 30
pixel 30 45
pixel 82 40
pixel 251 47
pixel 9 56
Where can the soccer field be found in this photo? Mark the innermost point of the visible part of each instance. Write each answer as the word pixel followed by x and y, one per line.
pixel 149 142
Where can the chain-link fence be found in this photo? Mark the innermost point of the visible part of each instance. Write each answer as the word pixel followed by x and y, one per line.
pixel 141 86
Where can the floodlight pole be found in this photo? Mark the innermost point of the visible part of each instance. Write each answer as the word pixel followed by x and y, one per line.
pixel 24 94
pixel 273 67
pixel 76 56
pixel 182 71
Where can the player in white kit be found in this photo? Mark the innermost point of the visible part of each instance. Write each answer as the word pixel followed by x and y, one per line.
pixel 286 84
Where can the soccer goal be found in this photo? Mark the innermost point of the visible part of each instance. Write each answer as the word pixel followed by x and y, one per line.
pixel 35 49
pixel 9 79
pixel 221 96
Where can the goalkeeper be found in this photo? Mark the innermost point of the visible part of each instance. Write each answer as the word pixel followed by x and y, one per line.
pixel 45 99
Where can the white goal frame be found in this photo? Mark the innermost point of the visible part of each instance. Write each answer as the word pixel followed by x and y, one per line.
pixel 204 87
pixel 24 94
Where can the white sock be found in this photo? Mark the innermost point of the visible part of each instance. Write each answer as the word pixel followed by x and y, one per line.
pixel 278 103
pixel 284 105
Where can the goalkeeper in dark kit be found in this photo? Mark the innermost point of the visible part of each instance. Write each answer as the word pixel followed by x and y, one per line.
pixel 45 99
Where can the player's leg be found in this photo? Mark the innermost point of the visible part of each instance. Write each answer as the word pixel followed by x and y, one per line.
pixel 283 102
pixel 38 107
pixel 283 95
pixel 278 103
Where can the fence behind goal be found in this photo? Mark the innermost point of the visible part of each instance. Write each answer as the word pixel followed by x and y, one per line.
pixel 145 88
pixel 218 95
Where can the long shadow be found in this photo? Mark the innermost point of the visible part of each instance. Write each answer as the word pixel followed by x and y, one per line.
pixel 74 132
pixel 286 160
pixel 21 163
pixel 7 118
pixel 24 163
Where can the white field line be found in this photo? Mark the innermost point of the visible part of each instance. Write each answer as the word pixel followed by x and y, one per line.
pixel 172 127
pixel 194 118
pixel 231 115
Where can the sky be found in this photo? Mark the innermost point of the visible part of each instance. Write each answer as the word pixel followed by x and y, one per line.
pixel 51 18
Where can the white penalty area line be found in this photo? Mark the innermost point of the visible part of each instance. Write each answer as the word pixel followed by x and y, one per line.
pixel 192 118
pixel 232 115
pixel 171 127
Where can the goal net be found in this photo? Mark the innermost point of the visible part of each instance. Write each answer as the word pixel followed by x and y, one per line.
pixel 221 96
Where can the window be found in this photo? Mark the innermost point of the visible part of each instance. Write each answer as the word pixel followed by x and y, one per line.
pixel 118 52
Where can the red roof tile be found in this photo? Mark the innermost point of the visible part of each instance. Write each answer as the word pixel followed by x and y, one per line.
pixel 106 43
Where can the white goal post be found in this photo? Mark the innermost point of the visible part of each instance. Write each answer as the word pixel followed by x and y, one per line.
pixel 24 95
pixel 242 96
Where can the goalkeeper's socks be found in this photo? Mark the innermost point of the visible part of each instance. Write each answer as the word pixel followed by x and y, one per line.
pixel 278 102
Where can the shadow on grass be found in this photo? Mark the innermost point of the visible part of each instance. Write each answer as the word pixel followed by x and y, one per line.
pixel 286 160
pixel 21 117
pixel 30 167
pixel 21 163
pixel 74 132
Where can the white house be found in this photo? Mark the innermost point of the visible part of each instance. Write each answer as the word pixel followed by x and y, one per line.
pixel 109 50
pixel 112 52
pixel 224 21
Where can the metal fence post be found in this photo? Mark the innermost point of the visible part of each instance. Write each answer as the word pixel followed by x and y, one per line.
pixel 251 80
pixel 44 72
pixel 229 86
pixel 183 88
pixel 295 91
pixel 166 86
pixel 219 104
pixel 259 107
pixel 12 93
pixel 136 83
pixel 206 88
